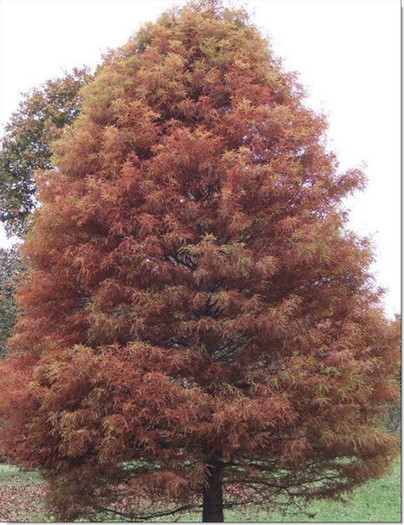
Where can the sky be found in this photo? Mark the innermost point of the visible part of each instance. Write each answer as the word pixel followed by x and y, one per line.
pixel 347 54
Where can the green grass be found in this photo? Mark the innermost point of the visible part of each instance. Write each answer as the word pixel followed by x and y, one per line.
pixel 21 495
pixel 375 501
pixel 11 475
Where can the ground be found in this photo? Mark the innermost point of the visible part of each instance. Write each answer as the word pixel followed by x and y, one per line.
pixel 22 494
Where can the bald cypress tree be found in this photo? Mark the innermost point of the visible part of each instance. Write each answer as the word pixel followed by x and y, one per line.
pixel 198 328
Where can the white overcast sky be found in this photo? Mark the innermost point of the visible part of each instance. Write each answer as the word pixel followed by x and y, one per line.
pixel 347 53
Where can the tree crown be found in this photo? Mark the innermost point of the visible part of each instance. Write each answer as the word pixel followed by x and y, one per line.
pixel 197 319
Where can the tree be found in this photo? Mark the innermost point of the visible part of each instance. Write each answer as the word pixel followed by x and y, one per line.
pixel 26 145
pixel 10 268
pixel 198 328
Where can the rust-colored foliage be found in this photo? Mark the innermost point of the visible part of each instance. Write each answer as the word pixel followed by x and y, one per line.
pixel 198 328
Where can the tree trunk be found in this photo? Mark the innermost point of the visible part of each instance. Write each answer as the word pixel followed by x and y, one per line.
pixel 213 493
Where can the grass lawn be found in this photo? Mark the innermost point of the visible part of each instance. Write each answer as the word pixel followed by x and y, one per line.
pixel 376 501
pixel 22 494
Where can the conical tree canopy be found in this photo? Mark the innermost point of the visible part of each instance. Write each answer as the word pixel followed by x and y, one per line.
pixel 198 328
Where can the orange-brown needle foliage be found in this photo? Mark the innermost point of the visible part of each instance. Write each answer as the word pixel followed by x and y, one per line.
pixel 198 328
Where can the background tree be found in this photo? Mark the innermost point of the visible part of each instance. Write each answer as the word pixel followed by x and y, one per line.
pixel 26 145
pixel 10 267
pixel 198 328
